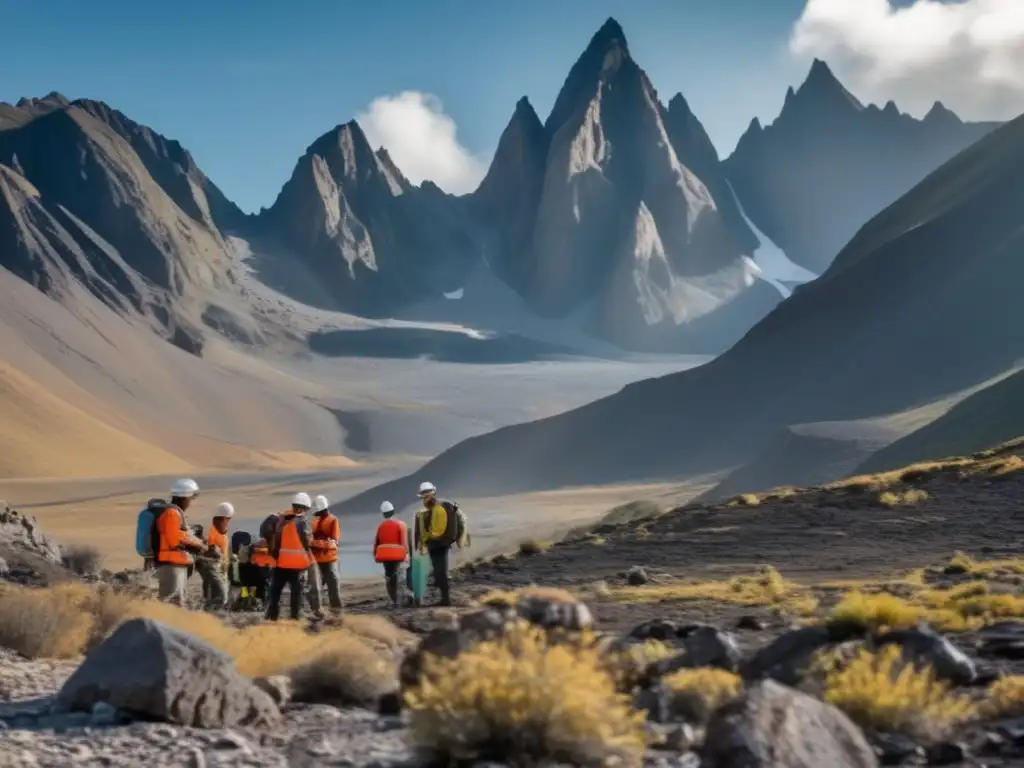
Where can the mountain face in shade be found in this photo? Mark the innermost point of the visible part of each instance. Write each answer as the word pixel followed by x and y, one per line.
pixel 616 207
pixel 88 196
pixel 376 240
pixel 828 164
pixel 900 320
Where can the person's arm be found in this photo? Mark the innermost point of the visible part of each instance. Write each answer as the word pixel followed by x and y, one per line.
pixel 405 539
pixel 304 537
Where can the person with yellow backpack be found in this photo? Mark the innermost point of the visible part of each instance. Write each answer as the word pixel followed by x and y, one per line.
pixel 440 525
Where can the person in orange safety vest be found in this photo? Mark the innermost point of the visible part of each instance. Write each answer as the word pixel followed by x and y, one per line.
pixel 173 543
pixel 213 566
pixel 391 548
pixel 326 537
pixel 291 550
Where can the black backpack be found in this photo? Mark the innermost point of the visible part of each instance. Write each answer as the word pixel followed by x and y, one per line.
pixel 240 539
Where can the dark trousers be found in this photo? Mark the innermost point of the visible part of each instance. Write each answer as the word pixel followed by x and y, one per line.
pixel 278 579
pixel 439 564
pixel 391 580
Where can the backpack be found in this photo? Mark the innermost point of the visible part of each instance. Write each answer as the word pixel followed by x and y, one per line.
pixel 154 533
pixel 462 538
pixel 456 526
pixel 240 539
pixel 268 528
pixel 144 545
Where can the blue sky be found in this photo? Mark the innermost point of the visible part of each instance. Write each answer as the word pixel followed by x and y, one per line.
pixel 247 86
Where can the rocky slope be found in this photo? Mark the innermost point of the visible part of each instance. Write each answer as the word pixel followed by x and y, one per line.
pixel 875 335
pixel 616 207
pixel 87 196
pixel 828 164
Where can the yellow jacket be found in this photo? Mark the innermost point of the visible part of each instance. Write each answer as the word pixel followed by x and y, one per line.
pixel 438 525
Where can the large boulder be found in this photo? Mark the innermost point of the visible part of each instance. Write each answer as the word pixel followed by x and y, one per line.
pixel 152 671
pixel 772 726
pixel 923 646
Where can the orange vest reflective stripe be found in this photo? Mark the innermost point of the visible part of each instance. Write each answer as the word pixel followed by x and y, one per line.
pixel 292 555
pixel 326 535
pixel 392 542
pixel 260 556
pixel 169 527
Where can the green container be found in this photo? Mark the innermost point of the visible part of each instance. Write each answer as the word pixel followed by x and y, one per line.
pixel 420 572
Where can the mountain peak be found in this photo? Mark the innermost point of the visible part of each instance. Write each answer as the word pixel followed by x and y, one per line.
pixel 939 113
pixel 822 88
pixel 604 54
pixel 609 35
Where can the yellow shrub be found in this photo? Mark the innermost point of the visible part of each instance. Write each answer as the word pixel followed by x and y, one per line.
pixel 901 498
pixel 766 587
pixel 888 611
pixel 1005 697
pixel 878 690
pixel 509 597
pixel 697 693
pixel 522 698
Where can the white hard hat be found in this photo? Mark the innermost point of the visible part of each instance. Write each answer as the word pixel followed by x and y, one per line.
pixel 301 500
pixel 225 509
pixel 185 488
pixel 386 507
pixel 320 503
pixel 427 487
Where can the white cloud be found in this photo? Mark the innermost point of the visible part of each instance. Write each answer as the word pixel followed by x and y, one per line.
pixel 968 54
pixel 421 139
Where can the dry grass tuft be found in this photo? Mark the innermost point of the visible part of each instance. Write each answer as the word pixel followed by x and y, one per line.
pixel 533 547
pixel 744 500
pixel 344 671
pixel 885 611
pixel 82 560
pixel 511 597
pixel 878 690
pixel 52 623
pixel 766 587
pixel 1005 697
pixel 67 620
pixel 525 700
pixel 964 563
pixel 697 693
pixel 906 498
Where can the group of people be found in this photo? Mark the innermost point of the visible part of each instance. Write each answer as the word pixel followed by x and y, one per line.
pixel 293 550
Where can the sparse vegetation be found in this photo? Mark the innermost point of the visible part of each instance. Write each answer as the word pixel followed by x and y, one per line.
pixel 82 560
pixel 1005 697
pixel 533 547
pixel 744 500
pixel 510 597
pixel 524 699
pixel 905 498
pixel 967 606
pixel 632 512
pixel 65 621
pixel 346 671
pixel 697 693
pixel 767 587
pixel 879 690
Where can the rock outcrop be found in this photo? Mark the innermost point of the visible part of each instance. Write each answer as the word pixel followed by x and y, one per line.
pixel 772 725
pixel 829 163
pixel 151 671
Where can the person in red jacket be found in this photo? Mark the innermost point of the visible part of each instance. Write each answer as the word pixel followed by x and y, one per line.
pixel 391 548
